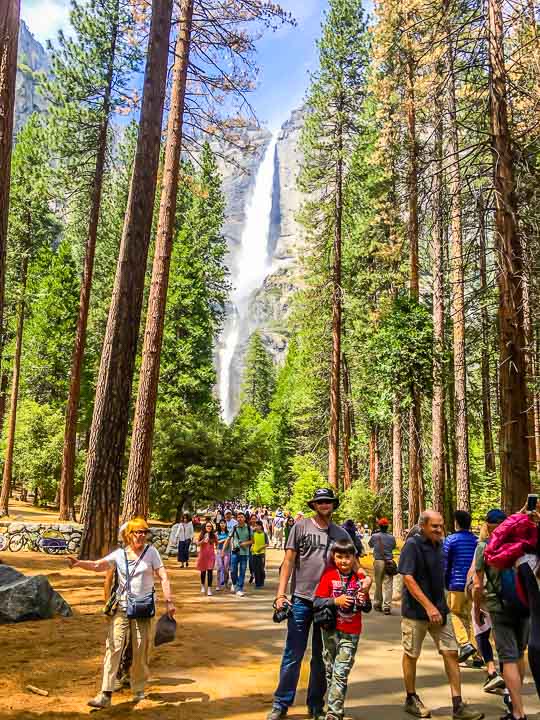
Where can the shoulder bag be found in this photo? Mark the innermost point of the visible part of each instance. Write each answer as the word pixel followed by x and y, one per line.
pixel 141 607
pixel 390 566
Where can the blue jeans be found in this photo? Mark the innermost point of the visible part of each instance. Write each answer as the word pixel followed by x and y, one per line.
pixel 298 627
pixel 238 570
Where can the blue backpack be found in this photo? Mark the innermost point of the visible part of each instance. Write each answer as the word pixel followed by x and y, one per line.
pixel 509 596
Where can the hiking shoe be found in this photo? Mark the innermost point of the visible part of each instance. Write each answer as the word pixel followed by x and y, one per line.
pixel 209 592
pixel 387 611
pixel 414 706
pixel 317 714
pixel 465 652
pixel 478 663
pixel 466 713
pixel 493 682
pixel 276 713
pixel 100 702
pixel 138 696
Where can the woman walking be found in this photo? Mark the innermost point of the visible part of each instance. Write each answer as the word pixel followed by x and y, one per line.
pixel 143 563
pixel 288 527
pixel 223 556
pixel 206 561
pixel 182 533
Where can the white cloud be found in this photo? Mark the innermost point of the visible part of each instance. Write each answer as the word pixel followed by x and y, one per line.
pixel 46 17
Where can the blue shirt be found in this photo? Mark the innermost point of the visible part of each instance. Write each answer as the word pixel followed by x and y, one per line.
pixel 459 551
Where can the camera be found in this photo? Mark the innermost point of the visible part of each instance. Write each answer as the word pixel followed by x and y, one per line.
pixel 283 613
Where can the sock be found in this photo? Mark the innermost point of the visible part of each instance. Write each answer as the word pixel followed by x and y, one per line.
pixel 107 693
pixel 410 696
pixel 456 702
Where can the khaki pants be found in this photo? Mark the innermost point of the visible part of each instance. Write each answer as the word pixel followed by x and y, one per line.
pixel 460 606
pixel 383 586
pixel 119 630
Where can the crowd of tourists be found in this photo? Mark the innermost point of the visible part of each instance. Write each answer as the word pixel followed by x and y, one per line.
pixel 477 597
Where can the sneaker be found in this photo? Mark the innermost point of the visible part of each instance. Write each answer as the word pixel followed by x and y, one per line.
pixel 100 701
pixel 138 696
pixel 387 611
pixel 466 713
pixel 233 589
pixel 276 713
pixel 209 592
pixel 203 590
pixel 478 663
pixel 240 593
pixel 493 682
pixel 465 652
pixel 219 588
pixel 317 714
pixel 414 706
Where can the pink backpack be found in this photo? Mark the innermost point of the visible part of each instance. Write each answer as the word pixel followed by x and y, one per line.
pixel 514 537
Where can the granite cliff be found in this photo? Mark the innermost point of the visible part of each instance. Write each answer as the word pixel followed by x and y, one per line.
pixel 32 58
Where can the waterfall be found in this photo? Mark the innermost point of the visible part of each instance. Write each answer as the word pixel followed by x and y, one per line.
pixel 252 266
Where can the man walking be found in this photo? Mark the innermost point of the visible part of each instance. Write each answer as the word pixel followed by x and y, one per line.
pixel 459 551
pixel 424 609
pixel 307 552
pixel 240 541
pixel 383 544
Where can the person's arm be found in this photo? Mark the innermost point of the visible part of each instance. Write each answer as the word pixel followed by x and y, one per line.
pixel 92 565
pixel 284 577
pixel 166 587
pixel 413 587
pixel 107 585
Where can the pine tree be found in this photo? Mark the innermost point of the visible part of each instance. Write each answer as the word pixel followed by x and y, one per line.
pixel 259 378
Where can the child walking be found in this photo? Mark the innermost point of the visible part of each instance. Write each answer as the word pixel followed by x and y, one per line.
pixel 258 553
pixel 207 556
pixel 341 589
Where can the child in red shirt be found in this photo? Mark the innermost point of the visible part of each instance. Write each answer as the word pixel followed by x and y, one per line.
pixel 342 589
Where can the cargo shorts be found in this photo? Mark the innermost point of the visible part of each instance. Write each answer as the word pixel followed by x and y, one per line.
pixel 413 633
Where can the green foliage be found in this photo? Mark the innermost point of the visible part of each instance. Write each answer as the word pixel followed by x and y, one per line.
pixel 362 505
pixel 307 478
pixel 259 378
pixel 262 491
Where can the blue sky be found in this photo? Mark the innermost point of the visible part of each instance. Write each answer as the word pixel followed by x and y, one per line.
pixel 285 57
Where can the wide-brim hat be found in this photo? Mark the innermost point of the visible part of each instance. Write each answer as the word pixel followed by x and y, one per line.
pixel 323 494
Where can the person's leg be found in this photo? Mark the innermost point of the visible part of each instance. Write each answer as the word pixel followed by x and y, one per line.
pixel 409 673
pixel 251 570
pixel 114 645
pixel 242 566
pixel 179 553
pixel 258 570
pixel 298 626
pixel 455 604
pixel 317 675
pixel 210 575
pixel 511 636
pixel 203 579
pixel 413 633
pixel 226 566
pixel 451 667
pixel 513 678
pixel 219 570
pixel 378 566
pixel 329 638
pixel 388 589
pixel 140 632
pixel 235 558
pixel 344 660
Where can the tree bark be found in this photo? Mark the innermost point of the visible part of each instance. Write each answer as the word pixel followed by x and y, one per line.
pixel 335 366
pixel 9 42
pixel 487 422
pixel 348 427
pixel 67 507
pixel 513 444
pixel 437 446
pixel 103 479
pixel 10 440
pixel 536 397
pixel 374 460
pixel 137 494
pixel 397 472
pixel 4 381
pixel 463 497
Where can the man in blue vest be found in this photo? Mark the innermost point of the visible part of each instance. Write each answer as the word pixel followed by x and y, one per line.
pixel 459 549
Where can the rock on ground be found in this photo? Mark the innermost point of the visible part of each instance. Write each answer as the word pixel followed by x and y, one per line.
pixel 25 597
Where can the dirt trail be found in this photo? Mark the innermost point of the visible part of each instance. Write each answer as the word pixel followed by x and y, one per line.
pixel 223 665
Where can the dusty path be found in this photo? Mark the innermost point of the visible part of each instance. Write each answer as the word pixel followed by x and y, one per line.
pixel 223 665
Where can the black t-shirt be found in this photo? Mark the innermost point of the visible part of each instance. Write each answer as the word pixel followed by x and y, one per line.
pixel 425 562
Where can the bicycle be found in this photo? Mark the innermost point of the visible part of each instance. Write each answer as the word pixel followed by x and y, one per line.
pixel 24 540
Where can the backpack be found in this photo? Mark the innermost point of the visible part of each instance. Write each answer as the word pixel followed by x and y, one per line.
pixel 510 595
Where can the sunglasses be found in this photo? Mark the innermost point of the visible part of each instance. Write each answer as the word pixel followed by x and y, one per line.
pixel 140 532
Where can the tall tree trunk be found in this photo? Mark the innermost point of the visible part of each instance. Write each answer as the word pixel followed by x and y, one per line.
pixel 348 426
pixel 529 355
pixel 10 440
pixel 103 479
pixel 514 450
pixel 335 402
pixel 137 494
pixel 374 459
pixel 457 279
pixel 9 42
pixel 537 407
pixel 487 422
pixel 416 490
pixel 397 471
pixel 437 446
pixel 4 381
pixel 67 507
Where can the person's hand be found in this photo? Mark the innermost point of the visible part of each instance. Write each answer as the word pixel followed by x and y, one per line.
pixel 366 583
pixel 344 601
pixel 434 616
pixel 72 561
pixel 281 602
pixel 171 610
pixel 479 616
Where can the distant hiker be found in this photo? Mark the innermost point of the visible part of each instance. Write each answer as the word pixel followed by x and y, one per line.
pixel 252 522
pixel 340 590
pixel 424 610
pixel 143 563
pixel 239 542
pixel 223 557
pixel 258 553
pixel 288 527
pixel 383 544
pixel 207 543
pixel 182 535
pixel 306 557
pixel 458 549
pixel 356 540
pixel 230 520
pixel 279 526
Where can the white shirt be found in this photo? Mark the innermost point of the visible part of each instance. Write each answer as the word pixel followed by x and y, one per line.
pixel 231 524
pixel 181 531
pixel 141 577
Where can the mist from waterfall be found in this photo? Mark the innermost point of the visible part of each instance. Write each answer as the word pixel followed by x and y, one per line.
pixel 252 265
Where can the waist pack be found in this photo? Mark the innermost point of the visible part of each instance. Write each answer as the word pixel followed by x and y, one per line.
pixel 144 606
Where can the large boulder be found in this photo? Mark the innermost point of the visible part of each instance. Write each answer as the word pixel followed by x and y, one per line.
pixel 28 598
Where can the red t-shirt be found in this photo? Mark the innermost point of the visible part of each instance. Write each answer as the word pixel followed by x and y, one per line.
pixel 333 584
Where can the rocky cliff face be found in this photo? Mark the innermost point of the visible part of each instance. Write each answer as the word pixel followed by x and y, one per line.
pixel 32 58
